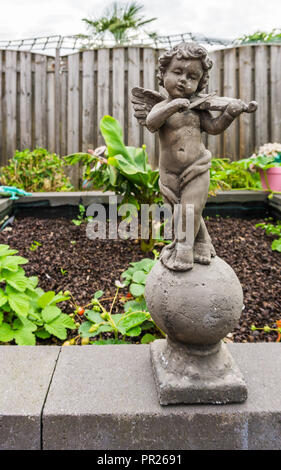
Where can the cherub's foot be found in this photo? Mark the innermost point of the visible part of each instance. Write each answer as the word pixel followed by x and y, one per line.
pixel 176 257
pixel 203 252
pixel 213 251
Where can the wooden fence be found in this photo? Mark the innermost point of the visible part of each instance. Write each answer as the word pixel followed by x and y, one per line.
pixel 57 103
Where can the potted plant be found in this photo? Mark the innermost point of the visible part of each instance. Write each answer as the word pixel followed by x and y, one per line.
pixel 268 162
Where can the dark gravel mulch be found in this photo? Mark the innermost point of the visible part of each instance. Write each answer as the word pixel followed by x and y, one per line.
pixel 86 266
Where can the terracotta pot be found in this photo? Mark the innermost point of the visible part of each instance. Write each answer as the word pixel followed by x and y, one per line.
pixel 274 178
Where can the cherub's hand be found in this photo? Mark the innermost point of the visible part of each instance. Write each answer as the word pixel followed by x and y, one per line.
pixel 236 107
pixel 182 104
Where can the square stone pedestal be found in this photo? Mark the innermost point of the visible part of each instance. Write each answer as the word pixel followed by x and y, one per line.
pixel 192 375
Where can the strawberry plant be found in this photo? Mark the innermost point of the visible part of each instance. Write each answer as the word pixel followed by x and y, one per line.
pixel 271 229
pixel 131 323
pixel 135 275
pixel 26 311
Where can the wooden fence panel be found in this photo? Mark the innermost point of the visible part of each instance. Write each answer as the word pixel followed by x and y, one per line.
pixel 11 103
pixel 51 108
pixel 2 150
pixel 57 102
pixel 246 93
pixel 215 85
pixel 118 85
pixel 40 98
pixel 103 89
pixel 261 96
pixel 275 83
pixel 134 129
pixel 148 82
pixel 25 101
pixel 88 104
pixel 73 112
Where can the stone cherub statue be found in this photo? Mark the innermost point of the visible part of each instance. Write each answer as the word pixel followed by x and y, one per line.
pixel 180 118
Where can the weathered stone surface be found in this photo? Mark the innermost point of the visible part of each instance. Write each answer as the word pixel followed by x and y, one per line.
pixel 199 306
pixel 186 374
pixel 72 198
pixel 25 375
pixel 104 397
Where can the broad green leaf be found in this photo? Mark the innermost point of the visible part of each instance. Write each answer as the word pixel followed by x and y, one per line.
pixel 148 338
pixel 93 316
pixel 137 290
pixel 3 298
pixel 113 136
pixel 276 245
pixel 46 298
pixel 1 317
pixel 67 321
pixel 147 325
pixel 103 342
pixel 18 302
pixel 59 298
pixel 136 331
pixel 23 322
pixel 6 333
pixel 131 321
pixel 58 326
pixel 24 337
pixel 50 313
pixel 139 277
pixel 12 262
pixel 17 280
pixel 57 329
pixel 135 305
pixel 43 334
pixel 84 329
pixel 5 250
pixel 98 294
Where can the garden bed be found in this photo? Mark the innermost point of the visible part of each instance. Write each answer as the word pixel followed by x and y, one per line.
pixel 67 260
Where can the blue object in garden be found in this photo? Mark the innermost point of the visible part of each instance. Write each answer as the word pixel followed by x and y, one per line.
pixel 87 184
pixel 278 158
pixel 13 192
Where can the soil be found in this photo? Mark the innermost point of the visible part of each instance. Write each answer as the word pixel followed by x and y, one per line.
pixel 68 260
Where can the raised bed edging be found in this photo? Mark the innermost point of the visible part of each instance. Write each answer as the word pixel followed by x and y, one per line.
pixel 104 398
pixel 224 200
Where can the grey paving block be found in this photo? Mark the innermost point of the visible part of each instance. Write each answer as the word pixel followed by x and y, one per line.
pixel 104 397
pixel 25 375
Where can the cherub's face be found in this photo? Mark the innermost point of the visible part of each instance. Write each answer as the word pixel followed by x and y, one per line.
pixel 182 77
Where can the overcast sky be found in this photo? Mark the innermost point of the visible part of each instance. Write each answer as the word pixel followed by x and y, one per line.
pixel 215 18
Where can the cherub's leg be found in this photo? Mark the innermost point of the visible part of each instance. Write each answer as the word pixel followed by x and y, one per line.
pixel 203 247
pixel 174 256
pixel 194 193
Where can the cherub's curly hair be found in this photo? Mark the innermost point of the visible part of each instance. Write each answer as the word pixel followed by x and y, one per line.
pixel 186 50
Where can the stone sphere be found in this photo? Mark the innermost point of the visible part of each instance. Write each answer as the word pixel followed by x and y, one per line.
pixel 200 306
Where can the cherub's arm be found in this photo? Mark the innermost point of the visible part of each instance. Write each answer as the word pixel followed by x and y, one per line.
pixel 162 111
pixel 217 125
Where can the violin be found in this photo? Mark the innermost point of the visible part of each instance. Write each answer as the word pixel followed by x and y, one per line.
pixel 212 102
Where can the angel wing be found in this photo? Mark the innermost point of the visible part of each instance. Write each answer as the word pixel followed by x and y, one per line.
pixel 143 101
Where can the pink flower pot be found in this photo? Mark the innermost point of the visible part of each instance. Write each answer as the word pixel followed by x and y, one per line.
pixel 274 178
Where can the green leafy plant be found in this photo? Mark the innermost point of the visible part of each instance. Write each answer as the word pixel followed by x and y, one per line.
pixel 34 171
pixel 119 20
pixel 34 245
pixel 226 175
pixel 135 275
pixel 26 311
pixel 81 218
pixel 124 170
pixel 261 37
pixel 271 229
pixel 131 323
pixel 268 329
